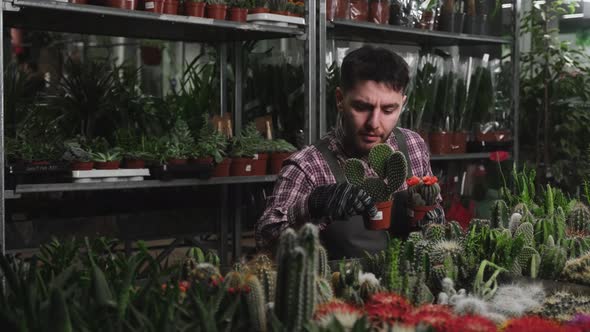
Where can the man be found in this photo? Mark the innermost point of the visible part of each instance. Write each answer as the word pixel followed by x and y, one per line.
pixel 311 188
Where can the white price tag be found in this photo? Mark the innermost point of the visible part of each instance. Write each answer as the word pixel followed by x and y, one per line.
pixel 378 216
pixel 248 168
pixel 255 156
pixel 149 5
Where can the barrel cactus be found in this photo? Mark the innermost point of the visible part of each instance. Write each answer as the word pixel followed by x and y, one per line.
pixel 435 233
pixel 423 191
pixel 256 303
pixel 390 167
pixel 443 249
pixel 579 219
pixel 578 270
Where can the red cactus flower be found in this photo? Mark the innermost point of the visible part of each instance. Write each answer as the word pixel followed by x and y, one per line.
pixel 246 289
pixel 164 286
pixel 531 324
pixel 387 307
pixel 414 180
pixel 430 180
pixel 184 284
pixel 182 288
pixel 433 308
pixel 439 321
pixel 333 307
pixel 231 290
pixel 472 324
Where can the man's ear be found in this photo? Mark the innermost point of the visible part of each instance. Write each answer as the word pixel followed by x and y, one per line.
pixel 339 99
pixel 404 99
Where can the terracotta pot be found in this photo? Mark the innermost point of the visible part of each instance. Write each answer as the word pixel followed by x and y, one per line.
pixel 154 6
pixel 382 220
pixel 420 212
pixel 196 9
pixel 259 10
pixel 379 12
pixel 260 164
pixel 238 14
pixel 459 142
pixel 202 161
pixel 280 12
pixel 177 161
pixel 216 12
pixel 134 163
pixel 440 143
pixel 242 167
pixel 107 165
pixel 359 10
pixel 123 4
pixel 82 165
pixel 337 9
pixel 427 21
pixel 79 2
pixel 222 169
pixel 493 136
pixel 276 161
pixel 170 7
pixel 151 56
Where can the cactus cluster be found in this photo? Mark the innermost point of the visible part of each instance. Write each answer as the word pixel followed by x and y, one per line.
pixel 579 219
pixel 390 167
pixel 500 215
pixel 262 266
pixel 200 265
pixel 563 306
pixel 577 270
pixel 553 260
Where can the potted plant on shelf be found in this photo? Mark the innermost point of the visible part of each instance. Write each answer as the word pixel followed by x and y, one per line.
pixel 216 9
pixel 79 158
pixel 391 169
pixel 194 8
pixel 379 11
pixel 123 4
pixel 107 160
pixel 246 149
pixel 278 7
pixel 279 150
pixel 296 8
pixel 238 11
pixel 423 193
pixel 133 148
pixel 179 144
pixel 211 148
pixel 259 7
pixel 428 15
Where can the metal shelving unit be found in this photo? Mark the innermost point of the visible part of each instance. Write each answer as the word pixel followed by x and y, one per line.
pixel 60 16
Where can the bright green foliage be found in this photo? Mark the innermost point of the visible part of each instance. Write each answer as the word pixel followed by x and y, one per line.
pixel 393 276
pixel 576 246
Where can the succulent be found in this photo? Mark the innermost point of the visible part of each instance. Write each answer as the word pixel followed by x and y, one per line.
pixel 454 231
pixel 75 152
pixel 443 249
pixel 553 261
pixel 256 303
pixel 248 143
pixel 577 270
pixel 500 214
pixel 111 155
pixel 210 142
pixel 563 306
pixel 435 233
pixel 529 261
pixel 390 166
pixel 527 231
pixel 576 246
pixel 579 219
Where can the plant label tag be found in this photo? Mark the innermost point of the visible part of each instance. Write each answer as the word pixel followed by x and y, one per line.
pixel 248 168
pixel 149 5
pixel 378 216
pixel 255 156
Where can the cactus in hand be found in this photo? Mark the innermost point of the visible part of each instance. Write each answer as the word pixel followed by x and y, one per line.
pixel 390 166
pixel 578 220
pixel 500 214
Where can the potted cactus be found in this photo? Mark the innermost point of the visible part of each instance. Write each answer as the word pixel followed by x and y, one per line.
pixel 391 169
pixel 239 10
pixel 194 8
pixel 107 160
pixel 259 7
pixel 422 195
pixel 216 9
pixel 278 7
pixel 296 8
pixel 279 150
pixel 179 144
pixel 247 158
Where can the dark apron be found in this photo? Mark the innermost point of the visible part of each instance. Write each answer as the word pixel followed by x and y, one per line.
pixel 349 238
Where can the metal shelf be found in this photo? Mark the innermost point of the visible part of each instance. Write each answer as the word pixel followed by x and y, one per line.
pixel 87 19
pixel 62 187
pixel 392 34
pixel 462 156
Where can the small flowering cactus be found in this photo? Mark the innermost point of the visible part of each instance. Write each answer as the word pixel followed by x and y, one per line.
pixel 423 191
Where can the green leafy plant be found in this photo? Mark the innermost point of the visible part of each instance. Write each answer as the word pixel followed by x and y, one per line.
pixel 179 142
pixel 280 145
pixel 211 143
pixel 112 155
pixel 75 152
pixel 241 4
pixel 259 3
pixel 248 143
pixel 278 5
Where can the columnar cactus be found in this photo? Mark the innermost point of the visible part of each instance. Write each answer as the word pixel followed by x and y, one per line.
pixel 391 168
pixel 256 304
pixel 454 231
pixel 324 291
pixel 263 268
pixel 579 219
pixel 500 214
pixel 529 260
pixel 576 246
pixel 309 241
pixel 393 275
pixel 323 267
pixel 553 260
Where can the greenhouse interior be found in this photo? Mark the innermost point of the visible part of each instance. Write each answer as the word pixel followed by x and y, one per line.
pixel 295 165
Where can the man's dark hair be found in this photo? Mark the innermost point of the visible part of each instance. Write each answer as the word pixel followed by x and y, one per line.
pixel 374 64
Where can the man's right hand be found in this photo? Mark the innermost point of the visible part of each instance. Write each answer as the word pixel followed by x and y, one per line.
pixel 340 201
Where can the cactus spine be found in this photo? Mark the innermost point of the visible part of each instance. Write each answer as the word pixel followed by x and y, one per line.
pixel 526 230
pixel 323 267
pixel 256 304
pixel 578 270
pixel 500 214
pixel 394 282
pixel 553 260
pixel 435 233
pixel 579 219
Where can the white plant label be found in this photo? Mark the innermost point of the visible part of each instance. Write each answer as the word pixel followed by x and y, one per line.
pixel 248 168
pixel 378 216
pixel 149 5
pixel 255 156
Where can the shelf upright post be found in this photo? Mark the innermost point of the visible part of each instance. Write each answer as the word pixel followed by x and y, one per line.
pixel 321 72
pixel 516 8
pixel 222 58
pixel 238 85
pixel 310 63
pixel 2 206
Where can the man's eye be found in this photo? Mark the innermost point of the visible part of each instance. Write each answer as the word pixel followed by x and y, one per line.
pixel 389 110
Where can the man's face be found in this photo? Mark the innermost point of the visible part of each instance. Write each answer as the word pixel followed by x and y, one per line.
pixel 370 111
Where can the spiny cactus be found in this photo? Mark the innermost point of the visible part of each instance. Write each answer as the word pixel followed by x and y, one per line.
pixel 309 241
pixel 419 291
pixel 549 226
pixel 576 246
pixel 324 291
pixel 553 260
pixel 369 286
pixel 500 214
pixel 521 209
pixel 256 303
pixel 393 275
pixel 262 266
pixel 515 221
pixel 526 230
pixel 579 218
pixel 435 233
pixel 415 237
pixel 478 224
pixel 577 270
pixel 454 231
pixel 443 249
pixel 390 166
pixel 323 267
pixel 529 260
pixel 377 263
pixel 562 306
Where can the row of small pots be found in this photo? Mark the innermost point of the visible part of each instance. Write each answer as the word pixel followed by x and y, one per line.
pixel 195 9
pixel 107 165
pixel 456 142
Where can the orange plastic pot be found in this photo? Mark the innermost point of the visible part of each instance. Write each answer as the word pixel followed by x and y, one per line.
pixel 216 12
pixel 440 142
pixel 382 220
pixel 238 14
pixel 420 212
pixel 276 161
pixel 170 7
pixel 223 168
pixel 195 9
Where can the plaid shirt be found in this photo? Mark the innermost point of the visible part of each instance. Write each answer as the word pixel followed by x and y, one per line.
pixel 307 169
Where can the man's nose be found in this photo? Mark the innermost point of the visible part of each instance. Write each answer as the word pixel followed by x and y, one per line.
pixel 374 117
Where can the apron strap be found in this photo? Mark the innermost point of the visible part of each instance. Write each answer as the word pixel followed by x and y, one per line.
pixel 330 158
pixel 403 147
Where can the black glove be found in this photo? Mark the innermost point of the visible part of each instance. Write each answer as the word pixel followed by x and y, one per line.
pixel 340 201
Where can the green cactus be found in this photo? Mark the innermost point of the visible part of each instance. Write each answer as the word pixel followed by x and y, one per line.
pixel 553 260
pixel 419 291
pixel 368 289
pixel 234 279
pixel 377 263
pixel 579 219
pixel 324 291
pixel 478 224
pixel 529 259
pixel 437 274
pixel 454 231
pixel 323 267
pixel 212 258
pixel 256 303
pixel 500 214
pixel 526 230
pixel 576 246
pixel 415 237
pixel 515 221
pixel 577 270
pixel 393 275
pixel 390 166
pixel 443 249
pixel 309 241
pixel 262 267
pixel 429 193
pixel 435 233
pixel 549 226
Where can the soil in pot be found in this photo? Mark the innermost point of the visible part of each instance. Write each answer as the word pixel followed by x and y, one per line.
pixel 458 142
pixel 242 167
pixel 440 142
pixel 420 212
pixel 276 161
pixel 359 10
pixel 176 161
pixel 195 9
pixel 382 220
pixel 216 12
pixel 379 12
pixel 154 6
pixel 82 165
pixel 134 163
pixel 238 14
pixel 107 164
pixel 337 9
pixel 259 10
pixel 222 169
pixel 170 7
pixel 123 4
